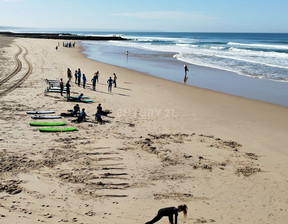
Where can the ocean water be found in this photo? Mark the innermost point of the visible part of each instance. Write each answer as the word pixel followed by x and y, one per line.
pixel 258 55
pixel 250 65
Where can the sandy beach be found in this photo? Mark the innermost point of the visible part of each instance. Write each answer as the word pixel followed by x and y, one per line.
pixel 164 144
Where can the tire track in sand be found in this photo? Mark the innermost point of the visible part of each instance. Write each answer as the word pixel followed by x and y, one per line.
pixel 18 68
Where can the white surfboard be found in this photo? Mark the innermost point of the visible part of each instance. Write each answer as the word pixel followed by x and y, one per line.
pixel 45 117
pixel 40 112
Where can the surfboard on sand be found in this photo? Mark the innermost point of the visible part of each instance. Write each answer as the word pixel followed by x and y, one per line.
pixel 57 129
pixel 47 123
pixel 54 90
pixel 75 97
pixel 40 112
pixel 45 117
pixel 80 101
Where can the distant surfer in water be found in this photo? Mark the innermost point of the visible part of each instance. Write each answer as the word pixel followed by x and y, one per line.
pixel 186 71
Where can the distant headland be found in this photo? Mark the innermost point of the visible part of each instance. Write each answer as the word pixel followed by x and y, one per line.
pixel 62 36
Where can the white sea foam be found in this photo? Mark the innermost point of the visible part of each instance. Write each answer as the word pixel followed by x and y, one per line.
pixel 264 46
pixel 246 59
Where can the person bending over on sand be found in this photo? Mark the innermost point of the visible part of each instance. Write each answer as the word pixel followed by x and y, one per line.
pixel 170 211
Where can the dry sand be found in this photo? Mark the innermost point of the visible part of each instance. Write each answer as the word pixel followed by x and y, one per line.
pixel 164 144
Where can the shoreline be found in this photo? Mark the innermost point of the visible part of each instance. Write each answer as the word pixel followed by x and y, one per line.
pixel 218 80
pixel 164 144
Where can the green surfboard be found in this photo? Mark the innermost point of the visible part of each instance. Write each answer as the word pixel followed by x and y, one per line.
pixel 57 129
pixel 47 123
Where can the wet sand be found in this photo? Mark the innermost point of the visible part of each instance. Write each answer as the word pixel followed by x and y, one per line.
pixel 164 144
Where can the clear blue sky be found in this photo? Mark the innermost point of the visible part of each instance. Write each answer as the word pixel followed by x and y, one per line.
pixel 148 15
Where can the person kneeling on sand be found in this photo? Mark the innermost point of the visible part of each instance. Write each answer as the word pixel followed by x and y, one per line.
pixel 98 114
pixel 170 212
pixel 98 117
pixel 102 112
pixel 82 116
pixel 74 112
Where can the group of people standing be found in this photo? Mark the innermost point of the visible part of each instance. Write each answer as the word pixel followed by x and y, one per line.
pixel 79 76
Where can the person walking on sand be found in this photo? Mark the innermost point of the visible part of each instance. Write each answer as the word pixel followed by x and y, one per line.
pixel 69 74
pixel 114 80
pixel 79 76
pixel 97 76
pixel 68 89
pixel 110 82
pixel 186 70
pixel 84 80
pixel 61 86
pixel 76 76
pixel 93 80
pixel 170 212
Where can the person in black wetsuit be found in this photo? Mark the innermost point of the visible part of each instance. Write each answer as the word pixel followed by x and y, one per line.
pixel 68 88
pixel 170 211
pixel 74 112
pixel 61 86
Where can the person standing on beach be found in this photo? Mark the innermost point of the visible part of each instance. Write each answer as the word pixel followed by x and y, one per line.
pixel 170 212
pixel 114 80
pixel 68 89
pixel 76 76
pixel 61 86
pixel 69 74
pixel 93 80
pixel 186 70
pixel 97 76
pixel 79 76
pixel 84 80
pixel 110 82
